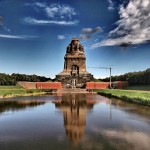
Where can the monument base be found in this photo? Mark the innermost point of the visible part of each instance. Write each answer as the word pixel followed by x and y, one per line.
pixel 74 81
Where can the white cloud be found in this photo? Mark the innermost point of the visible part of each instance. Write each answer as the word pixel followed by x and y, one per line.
pixel 133 26
pixel 44 22
pixel 61 37
pixel 57 10
pixel 84 36
pixel 55 13
pixel 35 4
pixel 40 4
pixel 16 36
pixel 51 12
pixel 111 5
pixel 86 33
pixel 91 30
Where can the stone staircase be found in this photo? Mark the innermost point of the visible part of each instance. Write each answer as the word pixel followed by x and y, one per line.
pixel 69 90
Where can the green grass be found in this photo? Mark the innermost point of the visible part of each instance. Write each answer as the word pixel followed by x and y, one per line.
pixel 6 91
pixel 10 87
pixel 141 97
pixel 139 87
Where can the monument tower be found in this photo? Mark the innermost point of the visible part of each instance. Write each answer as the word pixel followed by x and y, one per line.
pixel 74 74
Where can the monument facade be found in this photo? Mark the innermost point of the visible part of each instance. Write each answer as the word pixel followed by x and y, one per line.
pixel 74 74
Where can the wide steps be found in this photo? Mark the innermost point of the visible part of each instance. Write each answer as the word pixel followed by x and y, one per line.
pixel 69 90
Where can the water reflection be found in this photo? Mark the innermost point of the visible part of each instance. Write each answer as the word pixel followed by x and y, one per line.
pixel 132 108
pixel 75 108
pixel 115 124
pixel 6 105
pixel 74 121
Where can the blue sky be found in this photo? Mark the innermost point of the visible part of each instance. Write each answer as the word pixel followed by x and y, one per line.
pixel 34 35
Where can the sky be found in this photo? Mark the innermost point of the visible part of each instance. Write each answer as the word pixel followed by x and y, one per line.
pixel 34 35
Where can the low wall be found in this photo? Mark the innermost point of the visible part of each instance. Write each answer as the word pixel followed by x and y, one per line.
pixel 97 85
pixel 48 85
pixel 41 85
pixel 58 85
pixel 104 85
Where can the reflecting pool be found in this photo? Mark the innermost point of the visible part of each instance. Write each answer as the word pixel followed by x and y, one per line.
pixel 71 122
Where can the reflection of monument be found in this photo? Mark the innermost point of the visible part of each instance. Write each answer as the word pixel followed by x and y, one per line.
pixel 74 108
pixel 74 73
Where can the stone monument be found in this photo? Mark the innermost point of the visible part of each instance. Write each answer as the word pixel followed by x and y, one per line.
pixel 74 74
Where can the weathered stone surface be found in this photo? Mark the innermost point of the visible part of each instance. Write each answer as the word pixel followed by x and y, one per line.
pixel 74 74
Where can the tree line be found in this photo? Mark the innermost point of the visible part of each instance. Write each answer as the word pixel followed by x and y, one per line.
pixel 133 78
pixel 6 79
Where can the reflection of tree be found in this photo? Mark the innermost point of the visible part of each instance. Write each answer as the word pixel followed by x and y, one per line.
pixel 74 108
pixel 17 105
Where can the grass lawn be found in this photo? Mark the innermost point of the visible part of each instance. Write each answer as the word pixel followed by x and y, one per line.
pixel 6 91
pixel 10 87
pixel 141 97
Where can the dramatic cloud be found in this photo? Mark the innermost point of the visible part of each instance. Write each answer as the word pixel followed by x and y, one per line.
pixel 55 13
pixel 61 37
pixel 88 32
pixel 133 26
pixel 43 22
pixel 111 5
pixel 16 36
